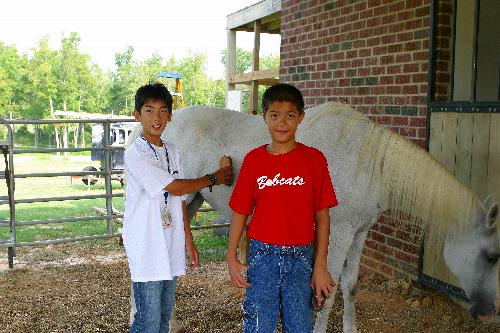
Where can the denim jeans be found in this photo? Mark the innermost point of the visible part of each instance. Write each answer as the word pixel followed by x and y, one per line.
pixel 280 278
pixel 154 301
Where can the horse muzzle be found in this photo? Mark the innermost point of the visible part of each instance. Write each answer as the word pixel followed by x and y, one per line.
pixel 482 313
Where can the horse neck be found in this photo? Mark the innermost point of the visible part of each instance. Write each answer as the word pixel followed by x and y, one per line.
pixel 412 182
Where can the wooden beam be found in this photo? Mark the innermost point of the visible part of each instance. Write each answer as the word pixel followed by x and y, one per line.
pixel 231 61
pixel 247 78
pixel 268 82
pixel 252 13
pixel 254 96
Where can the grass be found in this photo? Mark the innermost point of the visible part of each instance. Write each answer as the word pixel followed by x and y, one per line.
pixel 211 246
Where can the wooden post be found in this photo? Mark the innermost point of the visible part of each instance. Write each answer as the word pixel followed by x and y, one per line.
pixel 56 126
pixel 231 61
pixel 254 96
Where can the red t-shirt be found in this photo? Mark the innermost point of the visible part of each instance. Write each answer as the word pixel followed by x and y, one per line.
pixel 283 192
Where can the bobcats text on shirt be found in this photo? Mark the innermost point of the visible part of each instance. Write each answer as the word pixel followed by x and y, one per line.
pixel 283 192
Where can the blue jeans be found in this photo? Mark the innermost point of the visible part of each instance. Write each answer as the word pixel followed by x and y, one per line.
pixel 280 278
pixel 154 301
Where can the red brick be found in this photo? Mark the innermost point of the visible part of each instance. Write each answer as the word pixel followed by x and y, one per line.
pixel 373 41
pixel 364 71
pixel 378 90
pixel 418 122
pixel 370 99
pixel 368 262
pixel 411 68
pixel 386 250
pixel 411 249
pixel 419 78
pixel 394 90
pixel 380 10
pixel 413 89
pixel 377 237
pixel 396 7
pixel 386 100
pixel 402 79
pixel 407 132
pixel 387 60
pixel 409 259
pixel 388 39
pixel 394 69
pixel 378 70
pixel 400 121
pixel 387 270
pixel 365 53
pixel 403 58
pixel 381 30
pixel 405 16
pixel 413 3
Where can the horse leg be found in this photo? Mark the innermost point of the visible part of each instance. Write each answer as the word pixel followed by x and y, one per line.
pixel 340 240
pixel 349 280
pixel 194 205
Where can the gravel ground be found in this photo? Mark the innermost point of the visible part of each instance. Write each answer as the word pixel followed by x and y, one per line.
pixel 85 288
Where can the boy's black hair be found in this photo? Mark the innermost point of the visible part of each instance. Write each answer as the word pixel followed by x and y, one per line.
pixel 152 91
pixel 282 92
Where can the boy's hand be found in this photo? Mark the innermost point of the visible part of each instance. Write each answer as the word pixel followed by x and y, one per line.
pixel 224 176
pixel 192 253
pixel 323 284
pixel 235 273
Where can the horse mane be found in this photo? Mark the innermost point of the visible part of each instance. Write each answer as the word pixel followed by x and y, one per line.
pixel 412 182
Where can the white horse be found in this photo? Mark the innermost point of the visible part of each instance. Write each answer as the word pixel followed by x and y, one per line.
pixel 373 170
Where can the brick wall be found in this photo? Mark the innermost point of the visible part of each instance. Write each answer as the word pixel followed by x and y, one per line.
pixel 442 85
pixel 372 55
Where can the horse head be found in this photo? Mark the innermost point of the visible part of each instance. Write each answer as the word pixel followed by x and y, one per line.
pixel 473 257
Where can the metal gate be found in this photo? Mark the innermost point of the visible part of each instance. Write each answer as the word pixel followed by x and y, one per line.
pixel 10 176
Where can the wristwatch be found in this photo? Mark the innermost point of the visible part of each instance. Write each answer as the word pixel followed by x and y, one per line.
pixel 213 180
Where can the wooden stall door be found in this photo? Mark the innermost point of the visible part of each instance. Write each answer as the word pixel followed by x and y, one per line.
pixel 468 145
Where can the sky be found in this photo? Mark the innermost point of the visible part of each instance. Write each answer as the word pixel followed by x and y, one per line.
pixel 107 27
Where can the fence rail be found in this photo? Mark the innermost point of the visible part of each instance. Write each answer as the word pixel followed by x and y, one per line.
pixel 107 213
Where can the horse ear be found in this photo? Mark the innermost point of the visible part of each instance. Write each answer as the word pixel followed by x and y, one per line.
pixel 491 207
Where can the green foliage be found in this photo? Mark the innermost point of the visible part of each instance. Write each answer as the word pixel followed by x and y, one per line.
pixel 10 65
pixel 244 60
pixel 66 79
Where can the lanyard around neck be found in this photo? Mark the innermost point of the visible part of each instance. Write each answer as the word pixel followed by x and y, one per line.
pixel 165 193
pixel 156 155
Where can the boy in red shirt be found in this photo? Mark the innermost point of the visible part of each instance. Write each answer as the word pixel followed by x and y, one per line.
pixel 287 188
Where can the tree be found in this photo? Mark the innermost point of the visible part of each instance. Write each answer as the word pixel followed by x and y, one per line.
pixel 39 79
pixel 243 60
pixel 10 67
pixel 123 86
pixel 270 61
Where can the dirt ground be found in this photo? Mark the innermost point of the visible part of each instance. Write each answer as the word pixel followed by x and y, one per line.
pixel 85 288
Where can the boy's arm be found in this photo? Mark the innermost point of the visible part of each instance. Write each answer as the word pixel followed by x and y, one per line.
pixel 185 186
pixel 235 266
pixel 191 250
pixel 322 281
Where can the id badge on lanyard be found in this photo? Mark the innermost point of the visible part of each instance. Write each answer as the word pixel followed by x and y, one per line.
pixel 166 218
